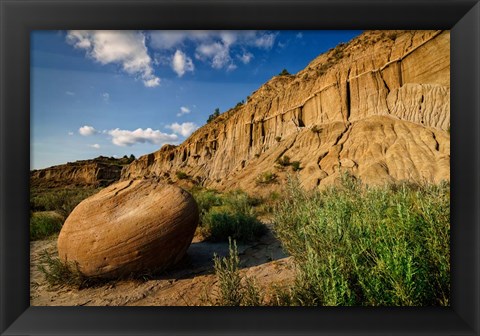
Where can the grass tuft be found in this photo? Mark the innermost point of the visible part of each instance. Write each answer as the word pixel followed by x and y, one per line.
pixel 58 273
pixel 44 225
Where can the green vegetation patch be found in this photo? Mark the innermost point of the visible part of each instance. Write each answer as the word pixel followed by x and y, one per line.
pixel 50 207
pixel 228 215
pixel 45 224
pixel 61 200
pixel 266 178
pixel 58 273
pixel 375 246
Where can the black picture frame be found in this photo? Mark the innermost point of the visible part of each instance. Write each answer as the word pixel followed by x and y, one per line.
pixel 19 17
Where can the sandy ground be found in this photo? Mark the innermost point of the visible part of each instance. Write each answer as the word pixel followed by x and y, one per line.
pixel 191 283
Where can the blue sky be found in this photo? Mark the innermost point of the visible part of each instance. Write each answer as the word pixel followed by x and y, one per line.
pixel 117 93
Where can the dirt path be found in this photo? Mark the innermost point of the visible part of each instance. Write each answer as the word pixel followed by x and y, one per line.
pixel 191 283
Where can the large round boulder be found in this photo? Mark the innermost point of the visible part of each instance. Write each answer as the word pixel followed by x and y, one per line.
pixel 129 227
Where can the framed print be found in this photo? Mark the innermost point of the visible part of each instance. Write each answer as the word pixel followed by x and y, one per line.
pixel 147 99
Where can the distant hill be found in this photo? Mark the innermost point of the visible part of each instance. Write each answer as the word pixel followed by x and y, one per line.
pixel 97 172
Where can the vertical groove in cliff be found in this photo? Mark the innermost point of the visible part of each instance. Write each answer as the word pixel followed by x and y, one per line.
pixel 437 145
pixel 400 76
pixel 250 141
pixel 300 117
pixel 347 94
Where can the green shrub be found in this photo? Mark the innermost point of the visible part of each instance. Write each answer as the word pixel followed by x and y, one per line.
pixel 296 165
pixel 240 201
pixel 220 224
pixel 214 115
pixel 234 290
pixel 43 225
pixel 181 175
pixel 284 161
pixel 266 178
pixel 239 104
pixel 284 73
pixel 229 279
pixel 58 273
pixel 62 201
pixel 358 245
pixel 206 199
pixel 228 215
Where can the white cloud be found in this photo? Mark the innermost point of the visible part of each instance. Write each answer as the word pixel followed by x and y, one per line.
pixel 181 63
pixel 183 110
pixel 170 39
pixel 231 67
pixel 246 57
pixel 87 130
pixel 106 96
pixel 184 129
pixel 126 48
pixel 265 40
pixel 214 47
pixel 152 82
pixel 129 138
pixel 70 93
pixel 299 35
pixel 217 52
pixel 96 146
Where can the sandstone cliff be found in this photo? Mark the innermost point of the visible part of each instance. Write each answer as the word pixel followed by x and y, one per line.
pixel 378 106
pixel 100 171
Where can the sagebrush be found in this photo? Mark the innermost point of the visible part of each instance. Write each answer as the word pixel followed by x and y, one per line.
pixel 360 245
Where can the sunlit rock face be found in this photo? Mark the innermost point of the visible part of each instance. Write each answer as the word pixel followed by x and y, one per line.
pixel 378 106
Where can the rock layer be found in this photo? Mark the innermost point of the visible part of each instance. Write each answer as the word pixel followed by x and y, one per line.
pixel 379 106
pixel 100 171
pixel 129 227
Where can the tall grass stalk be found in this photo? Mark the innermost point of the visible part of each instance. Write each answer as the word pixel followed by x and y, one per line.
pixel 234 289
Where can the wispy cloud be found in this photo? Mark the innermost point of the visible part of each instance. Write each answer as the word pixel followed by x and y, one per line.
pixel 184 129
pixel 183 110
pixel 216 52
pixel 214 47
pixel 129 138
pixel 246 57
pixel 70 93
pixel 70 133
pixel 126 48
pixel 96 146
pixel 299 35
pixel 181 63
pixel 87 130
pixel 106 97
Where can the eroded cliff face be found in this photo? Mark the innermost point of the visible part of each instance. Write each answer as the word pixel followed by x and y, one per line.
pixel 378 107
pixel 97 172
